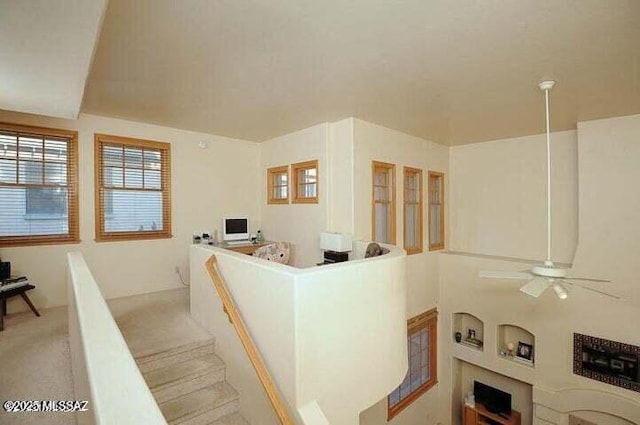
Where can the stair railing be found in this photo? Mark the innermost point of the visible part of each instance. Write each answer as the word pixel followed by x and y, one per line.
pixel 247 342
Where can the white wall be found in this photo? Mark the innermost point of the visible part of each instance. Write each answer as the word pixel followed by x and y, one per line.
pixel 521 393
pixel 609 245
pixel 498 197
pixel 206 185
pixel 374 142
pixel 298 224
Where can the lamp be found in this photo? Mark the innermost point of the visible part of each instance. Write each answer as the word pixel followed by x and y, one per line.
pixel 337 242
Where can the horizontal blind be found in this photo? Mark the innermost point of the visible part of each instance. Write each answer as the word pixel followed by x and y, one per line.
pixel 133 188
pixel 412 210
pixel 38 186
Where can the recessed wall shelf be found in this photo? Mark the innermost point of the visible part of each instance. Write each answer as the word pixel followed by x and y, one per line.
pixel 471 330
pixel 522 344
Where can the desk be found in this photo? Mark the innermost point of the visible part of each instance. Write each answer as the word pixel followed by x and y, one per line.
pixel 248 248
pixel 479 415
pixel 21 290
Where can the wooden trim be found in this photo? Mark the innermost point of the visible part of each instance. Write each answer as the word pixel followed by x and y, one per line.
pixel 440 176
pixel 165 187
pixel 391 169
pixel 295 196
pixel 419 237
pixel 247 342
pixel 73 215
pixel 271 175
pixel 46 131
pixel 415 324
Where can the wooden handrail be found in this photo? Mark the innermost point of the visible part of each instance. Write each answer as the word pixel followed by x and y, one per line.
pixel 247 342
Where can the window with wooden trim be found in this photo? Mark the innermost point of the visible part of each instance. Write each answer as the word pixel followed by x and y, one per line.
pixel 304 176
pixel 278 185
pixel 422 337
pixel 133 188
pixel 412 210
pixel 383 209
pixel 38 186
pixel 436 210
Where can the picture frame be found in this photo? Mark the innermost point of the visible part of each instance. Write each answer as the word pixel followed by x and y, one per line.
pixel 525 351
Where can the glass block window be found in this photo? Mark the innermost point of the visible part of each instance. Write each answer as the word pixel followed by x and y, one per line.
pixel 305 182
pixel 383 202
pixel 278 185
pixel 412 210
pixel 132 189
pixel 38 185
pixel 422 373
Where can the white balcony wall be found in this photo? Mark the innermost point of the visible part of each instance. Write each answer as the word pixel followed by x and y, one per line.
pixel 323 332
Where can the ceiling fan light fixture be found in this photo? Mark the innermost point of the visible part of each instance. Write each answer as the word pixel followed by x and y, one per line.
pixel 560 290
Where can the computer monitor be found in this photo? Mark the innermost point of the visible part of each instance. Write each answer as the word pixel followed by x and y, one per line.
pixel 235 228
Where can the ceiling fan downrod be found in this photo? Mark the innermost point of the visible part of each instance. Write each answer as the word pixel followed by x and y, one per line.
pixel 546 86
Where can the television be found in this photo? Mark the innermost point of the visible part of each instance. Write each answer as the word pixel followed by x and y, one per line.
pixel 235 228
pixel 493 399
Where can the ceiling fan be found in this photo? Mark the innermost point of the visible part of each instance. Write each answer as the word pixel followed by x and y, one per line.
pixel 542 276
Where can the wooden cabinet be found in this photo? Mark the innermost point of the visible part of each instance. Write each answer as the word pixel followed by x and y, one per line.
pixel 480 416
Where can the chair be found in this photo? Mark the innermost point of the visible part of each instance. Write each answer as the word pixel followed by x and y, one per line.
pixel 277 252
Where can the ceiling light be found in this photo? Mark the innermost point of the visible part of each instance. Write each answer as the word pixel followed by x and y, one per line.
pixel 561 291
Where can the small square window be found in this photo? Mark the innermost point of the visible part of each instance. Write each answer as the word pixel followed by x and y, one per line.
pixel 278 185
pixel 305 182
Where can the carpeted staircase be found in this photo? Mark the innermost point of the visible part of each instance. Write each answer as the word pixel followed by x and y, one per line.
pixel 188 383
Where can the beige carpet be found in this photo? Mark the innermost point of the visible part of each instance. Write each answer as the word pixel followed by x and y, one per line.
pixel 34 352
pixel 34 364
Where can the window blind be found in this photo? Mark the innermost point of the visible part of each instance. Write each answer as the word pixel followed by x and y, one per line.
pixel 436 214
pixel 38 186
pixel 133 189
pixel 384 203
pixel 412 210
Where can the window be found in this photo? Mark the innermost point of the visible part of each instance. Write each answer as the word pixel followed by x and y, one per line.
pixel 305 182
pixel 384 202
pixel 38 186
pixel 132 188
pixel 278 185
pixel 412 210
pixel 436 210
pixel 423 362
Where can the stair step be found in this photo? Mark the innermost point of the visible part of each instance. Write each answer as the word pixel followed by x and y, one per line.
pixel 185 377
pixel 201 407
pixel 150 362
pixel 232 419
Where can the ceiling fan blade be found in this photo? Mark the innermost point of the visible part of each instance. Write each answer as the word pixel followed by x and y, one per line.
pixel 589 280
pixel 505 275
pixel 591 289
pixel 536 287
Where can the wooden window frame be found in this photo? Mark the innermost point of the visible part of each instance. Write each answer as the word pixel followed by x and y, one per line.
pixel 272 173
pixel 165 176
pixel 419 238
pixel 73 218
pixel 391 169
pixel 440 176
pixel 416 324
pixel 295 195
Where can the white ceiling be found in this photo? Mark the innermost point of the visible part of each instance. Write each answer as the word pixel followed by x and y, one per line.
pixel 46 49
pixel 452 72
